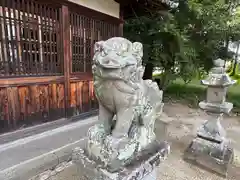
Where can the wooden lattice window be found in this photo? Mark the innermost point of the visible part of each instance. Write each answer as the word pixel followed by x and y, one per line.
pixel 84 33
pixel 30 39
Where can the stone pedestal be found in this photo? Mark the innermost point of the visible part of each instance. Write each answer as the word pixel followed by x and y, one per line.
pixel 142 167
pixel 212 155
pixel 211 149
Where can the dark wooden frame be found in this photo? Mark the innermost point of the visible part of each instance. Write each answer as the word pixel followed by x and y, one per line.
pixel 23 90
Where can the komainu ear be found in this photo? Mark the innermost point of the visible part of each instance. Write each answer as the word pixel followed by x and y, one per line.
pixel 98 46
pixel 138 49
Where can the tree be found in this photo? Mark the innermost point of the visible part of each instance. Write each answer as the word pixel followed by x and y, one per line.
pixel 184 38
pixel 163 43
pixel 235 59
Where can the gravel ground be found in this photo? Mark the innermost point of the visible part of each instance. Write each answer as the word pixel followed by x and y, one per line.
pixel 178 125
pixel 181 123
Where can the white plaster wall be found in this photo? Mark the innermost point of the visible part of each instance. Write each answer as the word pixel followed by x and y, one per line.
pixel 109 7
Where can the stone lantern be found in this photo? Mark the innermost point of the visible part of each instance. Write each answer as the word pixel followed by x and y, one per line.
pixel 211 148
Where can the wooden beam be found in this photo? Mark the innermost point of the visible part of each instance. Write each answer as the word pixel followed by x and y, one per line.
pixel 81 77
pixel 93 13
pixel 25 81
pixel 83 10
pixel 66 56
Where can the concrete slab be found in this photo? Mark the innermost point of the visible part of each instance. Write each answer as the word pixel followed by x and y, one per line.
pixel 39 164
pixel 26 157
pixel 30 131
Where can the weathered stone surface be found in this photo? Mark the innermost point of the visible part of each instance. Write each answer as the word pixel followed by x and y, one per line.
pixel 225 107
pixel 217 77
pixel 211 155
pixel 140 168
pixel 212 130
pixel 211 148
pixel 216 95
pixel 128 105
pixel 128 109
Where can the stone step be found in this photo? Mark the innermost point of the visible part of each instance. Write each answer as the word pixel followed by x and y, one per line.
pixel 37 129
pixel 27 157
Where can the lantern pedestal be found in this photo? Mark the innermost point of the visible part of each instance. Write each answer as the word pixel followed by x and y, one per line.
pixel 211 149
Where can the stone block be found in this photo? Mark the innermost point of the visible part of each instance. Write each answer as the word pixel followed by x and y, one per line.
pixel 212 129
pixel 143 167
pixel 212 156
pixel 225 107
pixel 216 95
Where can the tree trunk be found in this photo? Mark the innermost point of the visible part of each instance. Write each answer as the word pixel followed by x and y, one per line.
pixel 234 68
pixel 235 61
pixel 226 50
pixel 148 71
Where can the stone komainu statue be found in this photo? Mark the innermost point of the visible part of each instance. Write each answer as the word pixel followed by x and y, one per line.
pixel 128 105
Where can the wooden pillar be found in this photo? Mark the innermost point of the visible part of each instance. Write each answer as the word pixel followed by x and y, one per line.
pixel 121 24
pixel 67 57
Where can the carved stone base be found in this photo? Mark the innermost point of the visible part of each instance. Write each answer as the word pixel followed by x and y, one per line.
pixel 141 168
pixel 212 130
pixel 225 107
pixel 210 155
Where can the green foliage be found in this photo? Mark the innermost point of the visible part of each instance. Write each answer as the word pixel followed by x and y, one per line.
pixel 164 44
pixel 193 93
pixel 234 25
pixel 184 40
pixel 230 69
pixel 234 75
pixel 208 28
